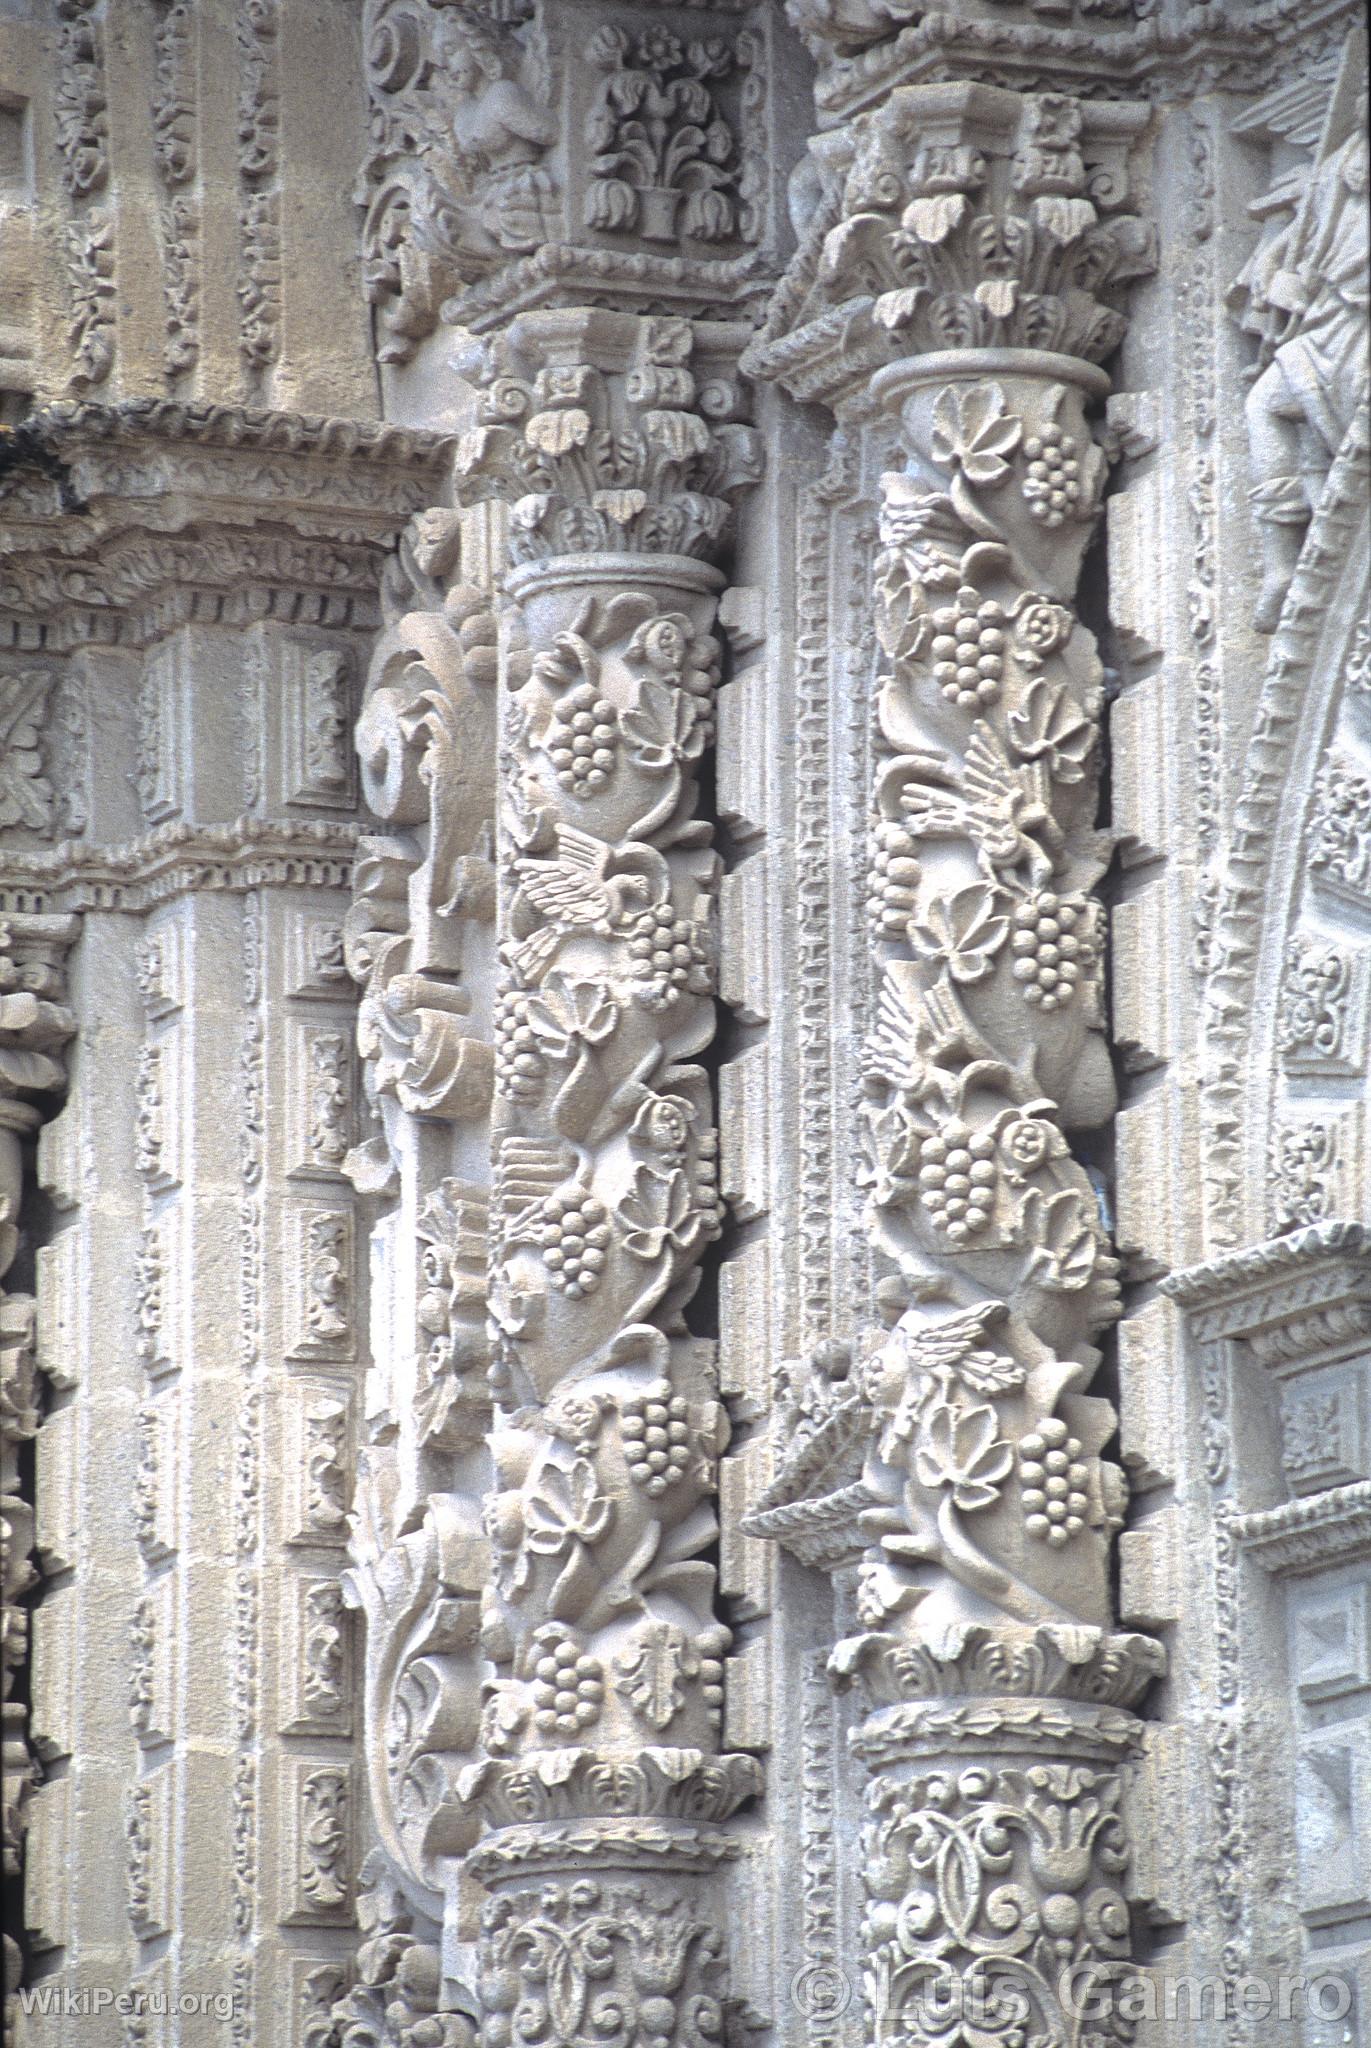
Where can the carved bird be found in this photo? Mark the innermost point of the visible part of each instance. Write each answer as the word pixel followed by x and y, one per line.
pixel 578 892
pixel 1006 809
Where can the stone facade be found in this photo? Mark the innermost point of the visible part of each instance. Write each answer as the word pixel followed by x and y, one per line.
pixel 685 889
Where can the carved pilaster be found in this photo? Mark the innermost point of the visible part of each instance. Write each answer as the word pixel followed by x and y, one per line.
pixel 963 285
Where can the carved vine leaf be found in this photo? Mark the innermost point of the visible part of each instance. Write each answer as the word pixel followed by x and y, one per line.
pixel 1063 1237
pixel 566 1015
pixel 963 931
pixel 656 1212
pixel 664 727
pixel 1048 726
pixel 974 434
pixel 961 1450
pixel 569 1509
pixel 651 1671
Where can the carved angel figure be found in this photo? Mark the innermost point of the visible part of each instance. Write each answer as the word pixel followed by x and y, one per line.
pixel 499 136
pixel 1306 295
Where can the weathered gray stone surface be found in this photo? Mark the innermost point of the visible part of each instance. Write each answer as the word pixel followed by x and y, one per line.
pixel 685 974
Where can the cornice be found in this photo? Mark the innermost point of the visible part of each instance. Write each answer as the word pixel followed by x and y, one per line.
pixel 1157 59
pixel 179 860
pixel 1309 1535
pixel 1239 1275
pixel 1292 1301
pixel 234 426
pixel 121 521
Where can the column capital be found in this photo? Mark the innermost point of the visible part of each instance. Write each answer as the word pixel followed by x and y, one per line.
pixel 961 216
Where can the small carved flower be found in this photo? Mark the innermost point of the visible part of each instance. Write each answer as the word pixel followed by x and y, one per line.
pixel 961 1450
pixel 659 50
pixel 711 57
pixel 1043 627
pixel 663 1124
pixel 1027 1143
pixel 662 643
pixel 608 48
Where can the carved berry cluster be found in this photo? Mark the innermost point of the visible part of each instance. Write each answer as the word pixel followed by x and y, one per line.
pixel 520 1068
pixel 1053 484
pixel 656 1434
pixel 573 1234
pixel 892 878
pixel 968 649
pixel 957 1176
pixel 1053 1480
pixel 568 1685
pixel 667 957
pixel 582 740
pixel 1052 948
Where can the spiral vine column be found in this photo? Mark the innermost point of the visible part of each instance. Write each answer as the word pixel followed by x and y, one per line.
pixel 603 1787
pixel 960 288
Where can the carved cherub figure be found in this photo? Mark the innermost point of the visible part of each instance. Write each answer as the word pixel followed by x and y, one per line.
pixel 499 136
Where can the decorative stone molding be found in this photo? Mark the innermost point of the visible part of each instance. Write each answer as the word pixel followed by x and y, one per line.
pixel 1169 50
pixel 1280 1338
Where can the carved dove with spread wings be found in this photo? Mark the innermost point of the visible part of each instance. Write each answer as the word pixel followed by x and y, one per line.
pixel 1006 809
pixel 589 887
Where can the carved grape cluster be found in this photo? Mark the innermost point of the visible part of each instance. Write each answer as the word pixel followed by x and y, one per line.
pixel 707 1197
pixel 892 878
pixel 957 1176
pixel 1052 947
pixel 1054 1481
pixel 582 740
pixel 667 957
pixel 656 1433
pixel 712 1685
pixel 573 1233
pixel 1053 484
pixel 968 649
pixel 520 1068
pixel 568 1685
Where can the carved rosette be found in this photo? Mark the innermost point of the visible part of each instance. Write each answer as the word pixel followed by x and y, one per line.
pixel 959 1466
pixel 602 1719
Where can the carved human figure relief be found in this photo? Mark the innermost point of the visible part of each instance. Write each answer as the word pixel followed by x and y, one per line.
pixel 1304 294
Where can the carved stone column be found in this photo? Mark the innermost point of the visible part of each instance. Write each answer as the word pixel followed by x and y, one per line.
pixel 960 283
pixel 603 1787
pixel 35 1025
